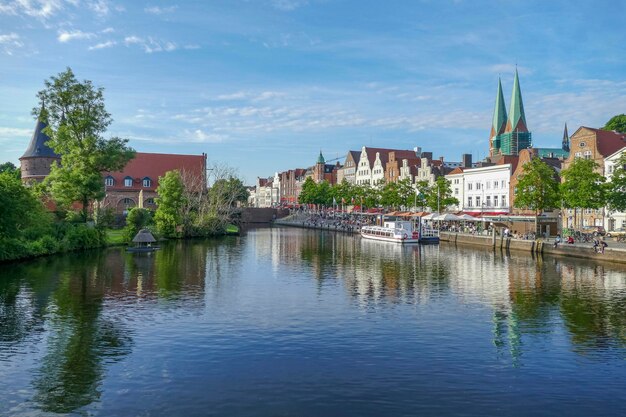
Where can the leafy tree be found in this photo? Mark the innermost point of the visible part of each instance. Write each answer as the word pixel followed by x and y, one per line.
pixel 617 123
pixel 11 169
pixel 77 121
pixel 231 187
pixel 406 192
pixel 21 211
pixel 439 196
pixel 582 186
pixel 137 219
pixel 168 215
pixel 616 188
pixel 343 193
pixel 390 195
pixel 537 189
pixel 308 193
pixel 423 189
pixel 324 195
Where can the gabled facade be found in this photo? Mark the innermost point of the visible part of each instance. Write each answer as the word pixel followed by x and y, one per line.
pixel 396 162
pixel 291 185
pixel 595 144
pixel 348 171
pixel 457 186
pixel 525 156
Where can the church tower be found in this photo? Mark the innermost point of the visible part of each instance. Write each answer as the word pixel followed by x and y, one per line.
pixel 565 143
pixel 36 162
pixel 319 169
pixel 499 122
pixel 515 136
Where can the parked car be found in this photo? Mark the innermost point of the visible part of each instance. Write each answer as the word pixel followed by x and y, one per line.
pixel 595 230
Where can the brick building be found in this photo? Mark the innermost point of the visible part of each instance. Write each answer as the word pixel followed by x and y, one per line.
pixel 140 178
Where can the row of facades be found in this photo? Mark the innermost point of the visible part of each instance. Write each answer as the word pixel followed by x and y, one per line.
pixel 484 188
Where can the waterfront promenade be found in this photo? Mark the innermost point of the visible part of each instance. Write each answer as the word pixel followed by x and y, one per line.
pixel 614 252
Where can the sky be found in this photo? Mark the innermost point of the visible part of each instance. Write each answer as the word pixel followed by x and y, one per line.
pixel 264 85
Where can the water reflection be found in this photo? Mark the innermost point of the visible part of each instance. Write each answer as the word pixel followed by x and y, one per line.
pixel 68 323
pixel 528 296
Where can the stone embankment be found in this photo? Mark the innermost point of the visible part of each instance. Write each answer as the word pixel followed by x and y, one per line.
pixel 615 252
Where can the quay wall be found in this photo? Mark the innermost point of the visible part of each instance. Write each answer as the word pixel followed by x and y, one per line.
pixel 577 250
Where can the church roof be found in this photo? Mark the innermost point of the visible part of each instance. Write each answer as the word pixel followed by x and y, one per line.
pixel 499 113
pixel 320 159
pixel 517 118
pixel 37 146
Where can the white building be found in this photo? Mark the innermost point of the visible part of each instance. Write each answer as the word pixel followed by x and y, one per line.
pixel 276 190
pixel 613 219
pixel 457 186
pixel 486 189
pixel 378 169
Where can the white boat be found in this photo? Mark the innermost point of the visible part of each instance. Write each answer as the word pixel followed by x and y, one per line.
pixel 399 232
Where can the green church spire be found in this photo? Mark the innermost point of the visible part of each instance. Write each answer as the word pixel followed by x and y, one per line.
pixel 517 119
pixel 320 159
pixel 499 113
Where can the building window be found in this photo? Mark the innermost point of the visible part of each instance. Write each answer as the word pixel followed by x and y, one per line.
pixel 150 201
pixel 456 191
pixel 578 155
pixel 582 144
pixel 128 202
pixel 147 182
pixel 488 185
pixel 469 201
pixel 503 183
pixel 495 201
pixel 477 201
pixel 587 154
pixel 488 201
pixel 128 182
pixel 109 181
pixel 469 186
pixel 503 201
pixel 495 185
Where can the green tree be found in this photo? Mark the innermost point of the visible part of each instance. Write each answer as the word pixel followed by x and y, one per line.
pixel 20 210
pixel 537 189
pixel 616 188
pixel 137 219
pixel 617 123
pixel 390 195
pixel 11 169
pixel 170 203
pixel 582 187
pixel 423 189
pixel 308 194
pixel 406 192
pixel 439 196
pixel 77 121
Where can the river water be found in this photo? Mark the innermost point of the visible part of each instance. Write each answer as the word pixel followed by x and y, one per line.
pixel 290 322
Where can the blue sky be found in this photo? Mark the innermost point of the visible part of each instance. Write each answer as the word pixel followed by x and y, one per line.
pixel 265 84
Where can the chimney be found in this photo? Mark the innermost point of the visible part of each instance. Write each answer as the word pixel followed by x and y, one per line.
pixel 441 159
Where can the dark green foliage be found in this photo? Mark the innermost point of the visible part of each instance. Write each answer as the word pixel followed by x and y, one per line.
pixel 616 188
pixel 137 219
pixel 617 123
pixel 11 169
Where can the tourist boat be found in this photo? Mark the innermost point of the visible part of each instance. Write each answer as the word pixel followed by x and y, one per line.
pixel 400 232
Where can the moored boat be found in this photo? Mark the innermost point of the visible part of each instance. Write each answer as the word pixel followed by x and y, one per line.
pixel 399 232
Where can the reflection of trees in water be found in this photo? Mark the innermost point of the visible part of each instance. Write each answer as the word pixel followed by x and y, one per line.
pixel 373 271
pixel 593 306
pixel 80 340
pixel 25 289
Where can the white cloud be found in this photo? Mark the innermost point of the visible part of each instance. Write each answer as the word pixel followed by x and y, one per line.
pixel 108 30
pixel 102 45
pixel 160 10
pixel 13 132
pixel 200 136
pixel 151 45
pixel 40 9
pixel 10 42
pixel 73 35
pixel 239 95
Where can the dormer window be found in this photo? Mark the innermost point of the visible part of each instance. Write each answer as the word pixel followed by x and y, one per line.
pixel 109 181
pixel 128 182
pixel 147 182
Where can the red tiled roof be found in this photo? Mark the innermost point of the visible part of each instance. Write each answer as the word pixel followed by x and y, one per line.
pixel 155 165
pixel 457 170
pixel 609 141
